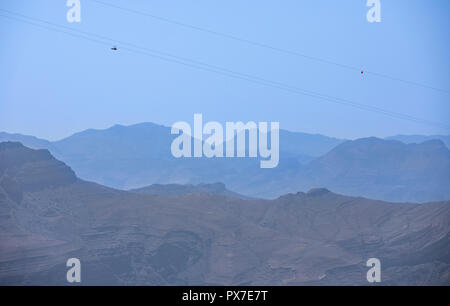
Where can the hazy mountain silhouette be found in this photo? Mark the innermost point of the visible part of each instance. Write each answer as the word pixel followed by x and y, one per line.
pixel 382 169
pixel 29 141
pixel 136 156
pixel 421 138
pixel 47 215
pixel 139 155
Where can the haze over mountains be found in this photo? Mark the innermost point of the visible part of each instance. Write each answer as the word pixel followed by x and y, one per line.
pixel 48 215
pixel 128 157
pixel 382 169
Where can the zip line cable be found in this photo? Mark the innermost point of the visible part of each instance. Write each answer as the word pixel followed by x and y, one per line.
pixel 215 69
pixel 270 47
pixel 230 73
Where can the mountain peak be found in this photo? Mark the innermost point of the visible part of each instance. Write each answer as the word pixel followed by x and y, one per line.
pixel 317 192
pixel 33 169
pixel 7 145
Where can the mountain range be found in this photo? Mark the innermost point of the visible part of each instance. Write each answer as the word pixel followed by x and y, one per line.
pixel 48 214
pixel 420 138
pixel 136 156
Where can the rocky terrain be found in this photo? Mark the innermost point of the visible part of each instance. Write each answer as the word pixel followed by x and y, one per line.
pixel 48 215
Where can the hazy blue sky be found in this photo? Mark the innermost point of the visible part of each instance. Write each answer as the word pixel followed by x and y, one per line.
pixel 52 84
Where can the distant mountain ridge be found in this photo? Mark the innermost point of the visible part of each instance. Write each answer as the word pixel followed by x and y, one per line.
pixel 385 170
pixel 408 139
pixel 29 141
pixel 139 155
pixel 129 157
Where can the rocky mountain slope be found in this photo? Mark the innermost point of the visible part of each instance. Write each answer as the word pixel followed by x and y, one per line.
pixel 47 215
